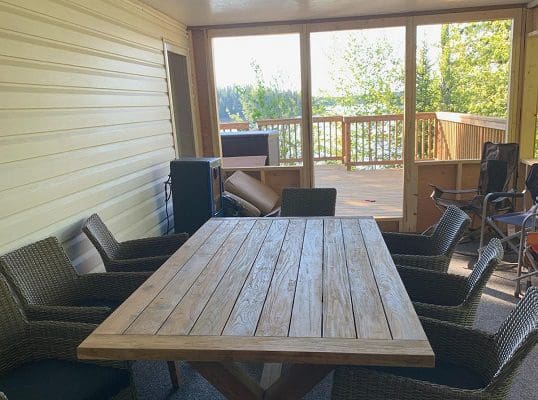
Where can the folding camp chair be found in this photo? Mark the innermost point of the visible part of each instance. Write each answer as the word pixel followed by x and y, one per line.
pixel 528 250
pixel 525 221
pixel 495 193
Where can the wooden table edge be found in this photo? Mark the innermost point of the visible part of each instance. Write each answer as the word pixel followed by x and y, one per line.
pixel 366 352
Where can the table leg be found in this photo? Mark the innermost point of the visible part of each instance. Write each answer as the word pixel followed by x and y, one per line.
pixel 270 374
pixel 297 381
pixel 230 380
pixel 175 373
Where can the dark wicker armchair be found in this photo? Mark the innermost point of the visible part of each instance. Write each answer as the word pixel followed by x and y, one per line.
pixel 38 360
pixel 134 255
pixel 448 297
pixel 470 364
pixel 50 289
pixel 302 202
pixel 431 252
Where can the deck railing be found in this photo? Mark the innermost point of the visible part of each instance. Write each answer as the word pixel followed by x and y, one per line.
pixel 377 139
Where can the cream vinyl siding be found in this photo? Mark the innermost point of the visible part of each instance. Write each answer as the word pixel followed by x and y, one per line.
pixel 84 120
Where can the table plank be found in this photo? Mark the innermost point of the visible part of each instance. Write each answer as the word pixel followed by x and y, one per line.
pixel 403 353
pixel 163 303
pixel 246 312
pixel 338 320
pixel 216 313
pixel 307 313
pixel 123 317
pixel 276 313
pixel 370 319
pixel 182 319
pixel 401 316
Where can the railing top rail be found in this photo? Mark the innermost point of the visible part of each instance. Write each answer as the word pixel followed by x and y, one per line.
pixel 282 121
pixel 372 118
pixel 470 119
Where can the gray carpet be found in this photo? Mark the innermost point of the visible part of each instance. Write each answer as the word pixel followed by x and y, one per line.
pixel 153 383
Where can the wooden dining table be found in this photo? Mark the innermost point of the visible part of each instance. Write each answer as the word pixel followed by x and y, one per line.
pixel 300 295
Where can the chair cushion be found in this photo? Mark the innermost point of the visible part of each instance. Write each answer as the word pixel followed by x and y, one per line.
pixel 252 190
pixel 55 379
pixel 444 373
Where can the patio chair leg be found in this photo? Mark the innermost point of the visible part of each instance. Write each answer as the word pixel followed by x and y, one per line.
pixel 175 373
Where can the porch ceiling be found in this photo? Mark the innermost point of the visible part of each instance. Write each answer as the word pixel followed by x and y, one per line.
pixel 220 12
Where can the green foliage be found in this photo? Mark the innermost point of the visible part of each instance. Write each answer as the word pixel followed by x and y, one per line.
pixel 268 99
pixel 369 78
pixel 474 67
pixel 428 84
pixel 229 104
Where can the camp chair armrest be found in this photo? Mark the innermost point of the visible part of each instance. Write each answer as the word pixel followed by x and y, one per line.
pixel 496 195
pixel 440 191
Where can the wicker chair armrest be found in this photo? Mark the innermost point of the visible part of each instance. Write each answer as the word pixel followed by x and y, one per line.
pixel 114 286
pixel 59 340
pixel 432 263
pixel 152 246
pixel 146 264
pixel 369 383
pixel 430 286
pixel 460 345
pixel 92 315
pixel 407 243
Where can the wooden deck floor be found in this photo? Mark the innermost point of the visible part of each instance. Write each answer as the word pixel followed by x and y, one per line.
pixel 378 192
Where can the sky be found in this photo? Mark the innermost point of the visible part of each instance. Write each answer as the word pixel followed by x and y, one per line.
pixel 280 54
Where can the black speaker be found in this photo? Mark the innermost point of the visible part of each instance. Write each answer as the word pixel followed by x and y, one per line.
pixel 196 192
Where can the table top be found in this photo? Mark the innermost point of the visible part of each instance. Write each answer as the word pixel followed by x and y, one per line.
pixel 243 161
pixel 285 290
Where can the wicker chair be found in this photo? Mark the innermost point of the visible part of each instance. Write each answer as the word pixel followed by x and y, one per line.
pixel 431 252
pixel 448 297
pixel 50 289
pixel 134 255
pixel 301 202
pixel 470 364
pixel 38 360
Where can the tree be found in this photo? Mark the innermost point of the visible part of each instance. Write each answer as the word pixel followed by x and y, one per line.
pixel 229 104
pixel 369 76
pixel 428 85
pixel 268 99
pixel 474 66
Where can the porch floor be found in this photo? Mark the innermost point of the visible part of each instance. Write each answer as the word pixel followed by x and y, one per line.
pixel 363 192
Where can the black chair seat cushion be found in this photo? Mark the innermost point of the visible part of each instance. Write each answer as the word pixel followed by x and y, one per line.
pixel 444 373
pixel 63 380
pixel 99 303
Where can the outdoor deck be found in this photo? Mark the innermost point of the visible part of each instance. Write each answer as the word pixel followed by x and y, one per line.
pixel 373 192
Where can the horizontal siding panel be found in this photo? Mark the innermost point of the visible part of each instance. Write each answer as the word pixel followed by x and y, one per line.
pixel 41 168
pixel 67 13
pixel 13 70
pixel 20 122
pixel 30 23
pixel 130 16
pixel 88 262
pixel 36 218
pixel 15 148
pixel 84 121
pixel 27 96
pixel 24 197
pixel 70 227
pixel 32 48
pixel 148 213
